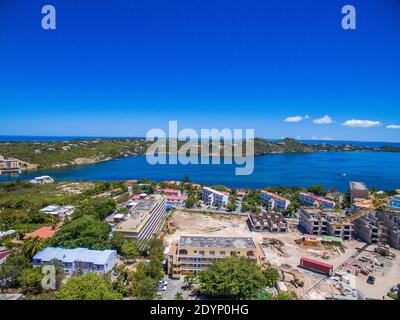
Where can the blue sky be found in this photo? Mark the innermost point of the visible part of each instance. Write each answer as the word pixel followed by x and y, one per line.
pixel 123 67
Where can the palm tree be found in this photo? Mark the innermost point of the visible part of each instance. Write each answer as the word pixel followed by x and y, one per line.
pixel 178 296
pixel 32 246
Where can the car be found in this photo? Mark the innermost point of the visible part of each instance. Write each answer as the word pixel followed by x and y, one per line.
pixel 371 280
pixel 161 288
pixel 162 283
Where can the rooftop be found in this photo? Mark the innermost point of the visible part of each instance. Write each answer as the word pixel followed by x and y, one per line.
pixel 98 257
pixel 138 215
pixel 354 185
pixel 217 242
pixel 43 233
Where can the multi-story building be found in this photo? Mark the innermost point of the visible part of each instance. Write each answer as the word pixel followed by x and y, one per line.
pixel 368 228
pixel 316 201
pixel 61 212
pixel 358 190
pixel 273 222
pixel 274 200
pixel 191 255
pixel 144 220
pixel 172 192
pixel 324 222
pixel 78 260
pixel 4 254
pixel 213 197
pixel 174 201
pixel 9 165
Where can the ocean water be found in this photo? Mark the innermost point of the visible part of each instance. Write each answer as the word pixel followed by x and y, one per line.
pixel 330 169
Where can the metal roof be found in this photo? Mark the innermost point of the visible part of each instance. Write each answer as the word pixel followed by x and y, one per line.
pixel 71 255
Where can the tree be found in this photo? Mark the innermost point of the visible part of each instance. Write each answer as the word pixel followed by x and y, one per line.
pixel 144 289
pixel 231 207
pixel 31 280
pixel 86 232
pixel 271 276
pixel 284 295
pixel 32 246
pixel 190 202
pixel 129 249
pixel 12 269
pixel 316 189
pixel 90 286
pixel 178 296
pixel 232 278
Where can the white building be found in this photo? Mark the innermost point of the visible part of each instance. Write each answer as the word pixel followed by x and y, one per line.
pixel 61 212
pixel 213 197
pixel 79 260
pixel 174 201
pixel 274 200
pixel 42 180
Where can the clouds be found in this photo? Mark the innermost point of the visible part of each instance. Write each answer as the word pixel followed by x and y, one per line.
pixel 393 126
pixel 324 120
pixel 321 138
pixel 361 123
pixel 294 119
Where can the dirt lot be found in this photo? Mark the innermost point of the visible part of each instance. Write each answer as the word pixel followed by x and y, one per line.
pixel 200 224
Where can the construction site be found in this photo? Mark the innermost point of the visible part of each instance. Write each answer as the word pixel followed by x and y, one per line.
pixel 267 221
pixel 284 250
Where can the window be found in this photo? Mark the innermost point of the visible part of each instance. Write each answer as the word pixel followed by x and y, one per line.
pixel 201 252
pixel 212 253
pixel 222 253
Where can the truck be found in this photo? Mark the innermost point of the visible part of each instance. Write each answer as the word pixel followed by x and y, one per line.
pixel 316 266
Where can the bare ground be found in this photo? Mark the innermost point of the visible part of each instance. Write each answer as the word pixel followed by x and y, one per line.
pixel 200 224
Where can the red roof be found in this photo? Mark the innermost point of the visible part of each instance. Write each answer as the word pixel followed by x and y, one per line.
pixel 317 262
pixel 313 196
pixel 43 232
pixel 171 191
pixel 274 195
pixel 173 197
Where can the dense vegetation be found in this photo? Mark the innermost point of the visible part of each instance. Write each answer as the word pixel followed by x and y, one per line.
pixel 90 286
pixel 232 278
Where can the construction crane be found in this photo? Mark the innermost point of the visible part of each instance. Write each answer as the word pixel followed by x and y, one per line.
pixel 382 248
pixel 359 214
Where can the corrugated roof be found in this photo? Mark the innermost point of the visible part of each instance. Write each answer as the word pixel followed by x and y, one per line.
pixel 72 255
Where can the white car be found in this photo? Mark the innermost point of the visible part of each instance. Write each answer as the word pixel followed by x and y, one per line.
pixel 162 283
pixel 161 288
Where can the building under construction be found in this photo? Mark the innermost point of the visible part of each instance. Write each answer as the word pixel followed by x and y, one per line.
pixel 267 221
pixel 325 222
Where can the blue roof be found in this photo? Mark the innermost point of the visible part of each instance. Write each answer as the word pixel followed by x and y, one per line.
pixel 98 257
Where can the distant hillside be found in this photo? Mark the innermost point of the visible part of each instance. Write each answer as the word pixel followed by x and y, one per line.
pixel 44 155
pixel 262 146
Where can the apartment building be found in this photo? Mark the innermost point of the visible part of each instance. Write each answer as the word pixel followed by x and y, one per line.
pixel 368 228
pixel 191 254
pixel 318 222
pixel 144 220
pixel 174 201
pixel 272 222
pixel 60 212
pixel 316 201
pixel 358 190
pixel 78 260
pixel 274 200
pixel 172 192
pixel 9 165
pixel 213 197
pixel 391 221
